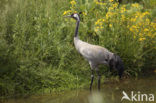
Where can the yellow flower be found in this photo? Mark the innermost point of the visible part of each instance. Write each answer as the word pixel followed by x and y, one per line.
pixel 115 5
pixel 73 2
pixel 67 12
pixel 101 27
pixel 133 28
pixel 142 39
pixel 111 0
pixel 145 13
pixel 153 25
pixel 147 21
pixel 96 23
pixel 133 19
pixel 136 5
pixel 145 30
pixel 134 36
pixel 109 14
pixel 111 8
pixel 103 4
pixel 99 22
pixel 84 13
pixel 150 35
pixel 99 3
pixel 123 17
pixel 110 25
pixel 123 9
pixel 140 34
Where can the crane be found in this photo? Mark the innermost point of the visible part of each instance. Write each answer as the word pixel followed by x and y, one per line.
pixel 96 55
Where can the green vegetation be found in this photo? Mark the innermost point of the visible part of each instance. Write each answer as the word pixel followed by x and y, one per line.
pixel 36 42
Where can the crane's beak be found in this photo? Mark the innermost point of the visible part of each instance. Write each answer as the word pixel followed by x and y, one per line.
pixel 68 16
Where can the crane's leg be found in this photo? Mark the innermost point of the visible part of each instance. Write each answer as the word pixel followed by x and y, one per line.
pixel 92 79
pixel 99 77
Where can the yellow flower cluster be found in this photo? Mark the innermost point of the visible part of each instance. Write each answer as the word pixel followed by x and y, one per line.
pixel 111 0
pixel 136 5
pixel 115 5
pixel 111 10
pixel 73 3
pixel 142 39
pixel 99 24
pixel 123 9
pixel 73 9
pixel 123 18
pixel 145 13
pixel 84 13
pixel 100 3
pixel 141 26
pixel 110 14
pixel 67 12
pixel 137 22
pixel 133 19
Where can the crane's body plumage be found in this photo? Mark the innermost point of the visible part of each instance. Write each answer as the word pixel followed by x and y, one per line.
pixel 96 55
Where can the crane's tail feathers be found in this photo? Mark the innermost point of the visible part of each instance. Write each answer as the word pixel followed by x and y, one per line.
pixel 116 62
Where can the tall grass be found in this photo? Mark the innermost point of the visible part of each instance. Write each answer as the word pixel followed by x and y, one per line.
pixel 36 43
pixel 36 48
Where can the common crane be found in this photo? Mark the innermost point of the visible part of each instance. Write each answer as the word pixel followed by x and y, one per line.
pixel 96 55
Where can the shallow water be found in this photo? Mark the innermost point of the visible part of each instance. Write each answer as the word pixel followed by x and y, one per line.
pixel 111 92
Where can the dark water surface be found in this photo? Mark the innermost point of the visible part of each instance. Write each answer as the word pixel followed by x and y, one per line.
pixel 111 92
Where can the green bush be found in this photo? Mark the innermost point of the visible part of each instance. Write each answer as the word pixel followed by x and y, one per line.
pixel 127 30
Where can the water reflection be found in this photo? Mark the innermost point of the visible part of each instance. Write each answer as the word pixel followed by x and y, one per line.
pixel 111 93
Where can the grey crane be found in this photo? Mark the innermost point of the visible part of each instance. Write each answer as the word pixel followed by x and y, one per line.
pixel 96 55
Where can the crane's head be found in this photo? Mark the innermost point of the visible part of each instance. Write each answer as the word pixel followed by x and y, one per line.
pixel 74 16
pixel 117 63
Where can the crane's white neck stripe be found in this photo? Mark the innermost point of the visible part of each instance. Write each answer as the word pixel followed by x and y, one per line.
pixel 76 16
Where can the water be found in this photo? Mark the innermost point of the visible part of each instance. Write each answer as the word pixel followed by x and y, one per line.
pixel 111 92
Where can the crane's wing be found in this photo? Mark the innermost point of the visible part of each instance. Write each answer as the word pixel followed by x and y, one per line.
pixel 96 53
pixel 92 52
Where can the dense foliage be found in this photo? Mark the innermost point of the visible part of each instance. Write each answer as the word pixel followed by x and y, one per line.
pixel 36 41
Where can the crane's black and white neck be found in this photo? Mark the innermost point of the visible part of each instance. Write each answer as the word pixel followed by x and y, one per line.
pixel 77 18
